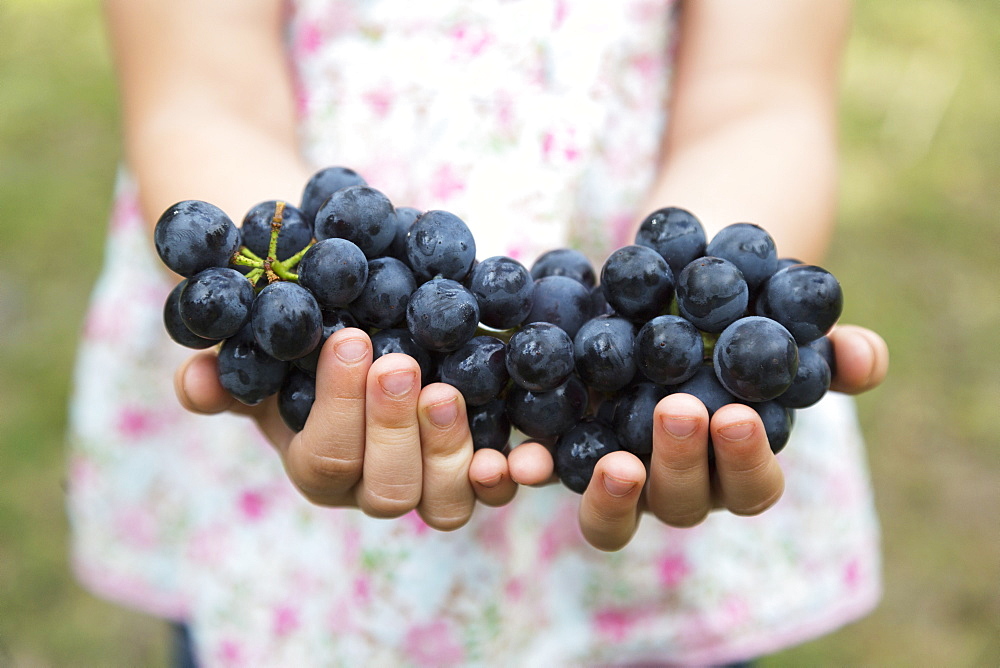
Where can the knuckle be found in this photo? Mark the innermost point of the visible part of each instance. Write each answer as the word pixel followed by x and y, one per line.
pixel 315 474
pixel 758 506
pixel 396 501
pixel 449 518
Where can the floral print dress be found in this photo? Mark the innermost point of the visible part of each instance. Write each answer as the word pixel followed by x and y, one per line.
pixel 538 123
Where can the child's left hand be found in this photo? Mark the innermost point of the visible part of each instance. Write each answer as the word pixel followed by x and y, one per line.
pixel 681 490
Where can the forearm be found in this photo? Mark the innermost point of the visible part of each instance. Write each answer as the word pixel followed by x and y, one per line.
pixel 752 131
pixel 207 100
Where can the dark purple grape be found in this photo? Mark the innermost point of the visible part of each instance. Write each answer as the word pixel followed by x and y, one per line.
pixel 812 380
pixel 296 230
pixel 705 387
pixel 756 359
pixel 287 321
pixel 567 262
pixel 175 326
pixel 669 350
pixel 598 303
pixel 633 417
pixel 442 315
pixel 334 320
pixel 295 398
pixel 824 346
pixel 504 288
pixel 489 425
pixel 604 350
pixel 335 271
pixel 806 299
pixel 637 282
pixel 324 183
pixel 785 262
pixel 192 236
pixel 385 294
pixel 547 414
pixel 712 294
pixel 360 214
pixel 405 217
pixel 561 301
pixel 399 340
pixel 246 371
pixel 777 421
pixel 750 248
pixel 540 356
pixel 477 369
pixel 216 302
pixel 578 451
pixel 675 234
pixel 439 243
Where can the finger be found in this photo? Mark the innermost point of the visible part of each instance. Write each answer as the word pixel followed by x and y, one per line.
pixel 196 383
pixel 750 478
pixel 679 491
pixel 609 509
pixel 531 464
pixel 391 483
pixel 491 478
pixel 324 460
pixel 447 497
pixel 862 359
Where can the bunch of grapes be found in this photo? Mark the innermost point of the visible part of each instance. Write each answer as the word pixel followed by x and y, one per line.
pixel 568 360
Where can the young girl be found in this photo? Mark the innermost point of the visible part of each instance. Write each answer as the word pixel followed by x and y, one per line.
pixel 537 123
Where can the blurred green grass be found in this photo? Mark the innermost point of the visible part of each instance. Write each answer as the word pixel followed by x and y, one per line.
pixel 917 251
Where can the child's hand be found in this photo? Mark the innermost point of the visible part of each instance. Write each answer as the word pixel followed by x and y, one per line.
pixel 680 490
pixel 374 438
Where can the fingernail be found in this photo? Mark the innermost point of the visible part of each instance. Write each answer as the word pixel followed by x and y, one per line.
pixel 351 350
pixel 491 482
pixel 617 487
pixel 679 427
pixel 737 432
pixel 397 383
pixel 443 414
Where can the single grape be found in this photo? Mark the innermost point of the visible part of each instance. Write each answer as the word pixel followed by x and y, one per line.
pixel 295 398
pixel 812 380
pixel 385 294
pixel 324 183
pixel 334 271
pixel 504 289
pixel 547 414
pixel 175 326
pixel 675 234
pixel 669 350
pixel 712 294
pixel 287 321
pixel 633 417
pixel 756 359
pixel 477 369
pixel 246 371
pixel 360 214
pixel 540 356
pixel 334 320
pixel 806 299
pixel 439 243
pixel 442 315
pixel 578 451
pixel 785 262
pixel 296 230
pixel 750 248
pixel 405 217
pixel 192 236
pixel 399 340
pixel 777 421
pixel 604 350
pixel 599 303
pixel 567 262
pixel 561 301
pixel 216 302
pixel 637 282
pixel 824 346
pixel 489 425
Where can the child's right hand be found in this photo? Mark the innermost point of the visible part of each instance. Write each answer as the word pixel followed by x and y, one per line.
pixel 374 440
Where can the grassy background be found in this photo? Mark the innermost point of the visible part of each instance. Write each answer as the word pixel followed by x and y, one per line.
pixel 917 251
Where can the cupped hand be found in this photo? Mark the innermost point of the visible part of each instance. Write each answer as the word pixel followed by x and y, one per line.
pixel 374 439
pixel 680 488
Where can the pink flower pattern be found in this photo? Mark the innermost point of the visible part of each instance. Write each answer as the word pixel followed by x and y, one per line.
pixel 547 134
